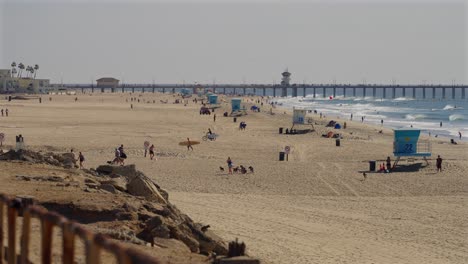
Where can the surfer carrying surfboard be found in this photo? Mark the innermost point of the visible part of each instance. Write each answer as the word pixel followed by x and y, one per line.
pixel 189 144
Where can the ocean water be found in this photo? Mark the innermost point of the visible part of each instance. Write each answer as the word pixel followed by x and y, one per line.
pixel 397 113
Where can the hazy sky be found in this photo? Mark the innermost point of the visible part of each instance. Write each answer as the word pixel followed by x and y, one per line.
pixel 232 41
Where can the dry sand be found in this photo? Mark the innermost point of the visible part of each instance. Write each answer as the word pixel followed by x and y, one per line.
pixel 315 208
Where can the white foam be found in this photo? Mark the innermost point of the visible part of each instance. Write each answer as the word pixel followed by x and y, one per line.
pixel 456 117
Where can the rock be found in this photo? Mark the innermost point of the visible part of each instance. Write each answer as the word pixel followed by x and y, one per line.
pixel 171 243
pixel 119 183
pixel 154 222
pixel 157 209
pixel 108 187
pixel 127 216
pixel 191 242
pixel 238 260
pixel 92 185
pixel 161 231
pixel 140 186
pixel 88 180
pixel 128 171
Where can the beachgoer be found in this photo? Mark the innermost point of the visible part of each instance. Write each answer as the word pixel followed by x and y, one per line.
pixel 320 115
pixel 381 122
pixel 189 145
pixel 6 112
pixel 389 164
pixel 214 118
pixel 439 163
pixel 81 158
pixel 351 117
pixel 131 106
pixel 2 112
pixel 362 119
pixel 459 134
pixel 229 163
pixel 440 123
pixel 116 156
pixel 151 151
pixel 146 148
pixel 344 125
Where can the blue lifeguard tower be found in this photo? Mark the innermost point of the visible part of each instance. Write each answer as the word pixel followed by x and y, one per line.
pixel 235 104
pixel 212 99
pixel 185 92
pixel 407 144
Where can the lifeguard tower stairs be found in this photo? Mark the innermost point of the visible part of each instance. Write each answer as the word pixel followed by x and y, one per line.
pixel 407 144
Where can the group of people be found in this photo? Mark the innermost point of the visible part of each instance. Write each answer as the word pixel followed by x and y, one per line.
pixel 150 149
pixel 4 113
pixel 119 156
pixel 80 159
pixel 242 125
pixel 239 169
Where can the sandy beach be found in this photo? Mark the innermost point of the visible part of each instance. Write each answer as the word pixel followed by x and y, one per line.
pixel 314 208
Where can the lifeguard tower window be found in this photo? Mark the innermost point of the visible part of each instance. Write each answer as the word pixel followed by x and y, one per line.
pixel 407 144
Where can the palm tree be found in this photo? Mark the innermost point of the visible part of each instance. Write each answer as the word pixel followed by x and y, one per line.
pixel 36 67
pixel 21 67
pixel 27 71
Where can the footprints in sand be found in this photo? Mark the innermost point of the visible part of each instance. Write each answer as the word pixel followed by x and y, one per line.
pixel 334 176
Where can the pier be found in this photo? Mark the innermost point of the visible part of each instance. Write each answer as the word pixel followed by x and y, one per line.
pixel 294 90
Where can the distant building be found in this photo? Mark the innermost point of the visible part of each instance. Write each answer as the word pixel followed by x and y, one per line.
pixel 9 84
pixel 107 82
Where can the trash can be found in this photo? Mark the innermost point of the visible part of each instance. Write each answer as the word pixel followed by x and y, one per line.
pixel 235 119
pixel 337 142
pixel 281 156
pixel 372 165
pixel 281 130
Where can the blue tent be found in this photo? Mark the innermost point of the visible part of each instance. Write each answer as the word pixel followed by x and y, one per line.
pixel 337 126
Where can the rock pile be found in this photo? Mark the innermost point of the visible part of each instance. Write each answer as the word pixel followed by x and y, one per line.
pixel 156 220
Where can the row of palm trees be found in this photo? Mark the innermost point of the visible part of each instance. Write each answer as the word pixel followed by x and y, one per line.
pixel 19 73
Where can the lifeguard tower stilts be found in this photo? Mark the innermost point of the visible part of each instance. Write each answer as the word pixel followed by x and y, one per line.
pixel 407 144
pixel 299 115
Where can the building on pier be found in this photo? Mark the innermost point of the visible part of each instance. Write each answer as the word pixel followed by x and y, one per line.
pixel 107 82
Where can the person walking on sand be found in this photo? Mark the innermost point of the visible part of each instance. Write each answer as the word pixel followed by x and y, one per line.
pixel 459 134
pixel 229 163
pixel 81 158
pixel 440 123
pixel 6 112
pixel 381 122
pixel 362 119
pixel 189 145
pixel 214 118
pixel 439 163
pixel 151 151
pixel 351 117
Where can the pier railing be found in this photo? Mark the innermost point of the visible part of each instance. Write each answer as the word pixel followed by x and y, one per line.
pixel 94 243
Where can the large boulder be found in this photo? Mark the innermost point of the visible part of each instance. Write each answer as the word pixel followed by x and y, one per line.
pixel 129 171
pixel 142 186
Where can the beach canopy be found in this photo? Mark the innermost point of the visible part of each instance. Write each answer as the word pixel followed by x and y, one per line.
pixel 337 126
